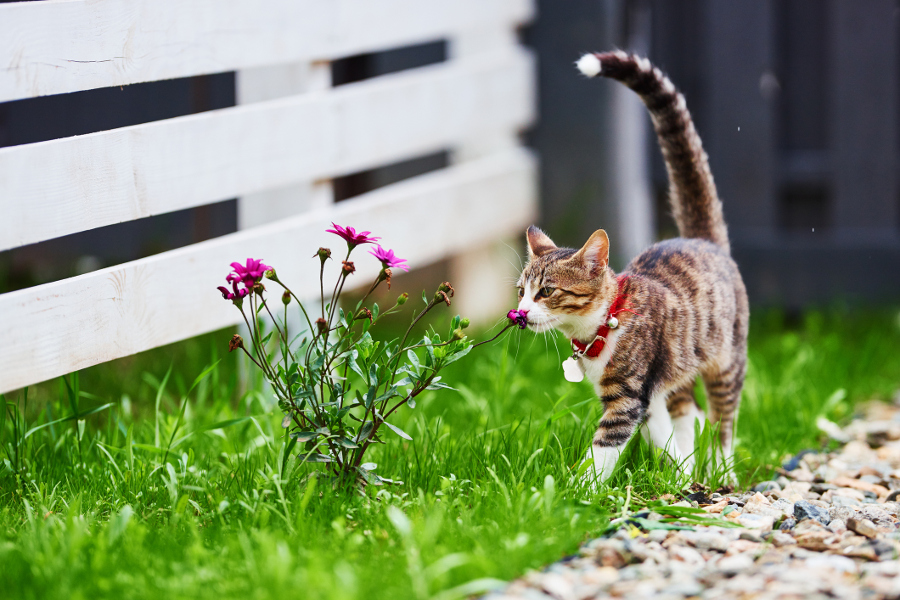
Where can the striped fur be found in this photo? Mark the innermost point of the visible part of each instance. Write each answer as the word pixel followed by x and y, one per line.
pixel 690 306
pixel 692 191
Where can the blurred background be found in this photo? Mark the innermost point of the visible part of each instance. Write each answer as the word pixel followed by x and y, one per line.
pixel 797 101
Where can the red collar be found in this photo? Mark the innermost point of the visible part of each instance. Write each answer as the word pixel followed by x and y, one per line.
pixel 617 306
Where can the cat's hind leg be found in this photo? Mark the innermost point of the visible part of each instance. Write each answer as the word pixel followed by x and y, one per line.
pixel 723 390
pixel 684 412
pixel 662 432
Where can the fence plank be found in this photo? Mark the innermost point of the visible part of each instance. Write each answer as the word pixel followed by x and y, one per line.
pixel 59 46
pixel 63 186
pixel 863 71
pixel 60 327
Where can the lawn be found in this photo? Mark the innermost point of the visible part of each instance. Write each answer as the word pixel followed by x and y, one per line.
pixel 133 501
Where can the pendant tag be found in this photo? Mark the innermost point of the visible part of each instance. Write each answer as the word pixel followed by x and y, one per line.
pixel 572 370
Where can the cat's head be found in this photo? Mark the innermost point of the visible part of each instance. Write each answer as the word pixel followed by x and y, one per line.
pixel 564 288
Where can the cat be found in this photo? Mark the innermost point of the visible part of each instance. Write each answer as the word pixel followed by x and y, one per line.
pixel 679 309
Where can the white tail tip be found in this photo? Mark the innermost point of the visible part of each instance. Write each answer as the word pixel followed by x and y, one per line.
pixel 589 65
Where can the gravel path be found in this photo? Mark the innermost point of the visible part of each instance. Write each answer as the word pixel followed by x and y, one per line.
pixel 826 528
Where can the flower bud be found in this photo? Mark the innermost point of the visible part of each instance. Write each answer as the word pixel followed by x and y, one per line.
pixel 235 343
pixel 458 334
pixel 441 296
pixel 321 324
pixel 348 267
pixel 259 288
pixel 364 313
pixel 402 299
pixel 286 298
pixel 447 288
pixel 323 254
pixel 270 274
pixel 464 323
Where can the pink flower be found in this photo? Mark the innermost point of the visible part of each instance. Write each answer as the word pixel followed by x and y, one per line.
pixel 350 235
pixel 247 274
pixel 519 317
pixel 238 293
pixel 389 259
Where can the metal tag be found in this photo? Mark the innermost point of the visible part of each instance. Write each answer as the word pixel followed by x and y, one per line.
pixel 572 370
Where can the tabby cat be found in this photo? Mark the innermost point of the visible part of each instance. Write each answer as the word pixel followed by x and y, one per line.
pixel 679 309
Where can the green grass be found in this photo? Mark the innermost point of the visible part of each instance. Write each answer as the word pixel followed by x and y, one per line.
pixel 121 504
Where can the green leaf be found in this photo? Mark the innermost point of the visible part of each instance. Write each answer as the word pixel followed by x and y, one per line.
pixel 370 396
pixel 429 352
pixel 203 376
pixel 365 431
pixel 390 393
pixel 354 365
pixel 217 425
pixel 303 436
pixel 398 431
pixel 64 419
pixel 365 345
pixel 414 359
pixel 437 385
pixel 315 458
pixel 345 443
pixel 375 310
pixel 457 355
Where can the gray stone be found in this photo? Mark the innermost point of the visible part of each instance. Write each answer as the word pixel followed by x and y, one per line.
pixel 845 501
pixel 767 486
pixel 837 526
pixel 805 510
pixel 788 524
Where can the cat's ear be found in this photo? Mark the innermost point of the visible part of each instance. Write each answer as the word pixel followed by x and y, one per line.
pixel 595 253
pixel 538 242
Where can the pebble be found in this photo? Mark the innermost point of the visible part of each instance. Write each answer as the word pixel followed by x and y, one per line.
pixel 805 510
pixel 863 527
pixel 767 486
pixel 838 535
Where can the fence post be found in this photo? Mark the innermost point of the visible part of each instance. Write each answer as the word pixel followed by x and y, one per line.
pixel 484 275
pixel 269 83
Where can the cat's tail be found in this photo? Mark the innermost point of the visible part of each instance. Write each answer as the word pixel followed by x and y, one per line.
pixel 692 191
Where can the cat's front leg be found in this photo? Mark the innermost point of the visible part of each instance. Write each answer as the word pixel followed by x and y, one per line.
pixel 621 417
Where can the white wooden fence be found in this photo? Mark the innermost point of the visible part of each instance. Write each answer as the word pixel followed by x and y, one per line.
pixel 277 150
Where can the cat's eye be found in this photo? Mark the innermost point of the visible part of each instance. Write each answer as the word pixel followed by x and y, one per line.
pixel 545 292
pixel 521 292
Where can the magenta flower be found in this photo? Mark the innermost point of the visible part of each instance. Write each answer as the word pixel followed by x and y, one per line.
pixel 247 274
pixel 519 317
pixel 389 259
pixel 350 235
pixel 238 293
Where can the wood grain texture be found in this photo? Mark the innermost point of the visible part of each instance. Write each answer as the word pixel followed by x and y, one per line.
pixel 59 46
pixel 68 325
pixel 59 187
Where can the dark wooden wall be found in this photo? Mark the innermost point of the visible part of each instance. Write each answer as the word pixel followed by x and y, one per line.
pixel 798 103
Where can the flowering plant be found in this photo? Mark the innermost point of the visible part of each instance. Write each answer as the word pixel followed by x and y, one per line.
pixel 337 386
